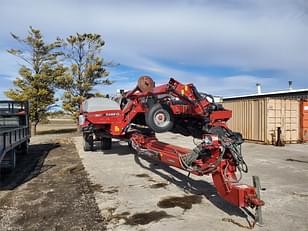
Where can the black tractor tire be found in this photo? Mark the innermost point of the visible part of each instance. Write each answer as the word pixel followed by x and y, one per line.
pixel 106 143
pixel 23 148
pixel 159 118
pixel 88 143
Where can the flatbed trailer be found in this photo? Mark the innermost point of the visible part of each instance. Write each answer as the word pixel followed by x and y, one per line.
pixel 14 131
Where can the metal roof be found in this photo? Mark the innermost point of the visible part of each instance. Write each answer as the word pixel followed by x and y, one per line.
pixel 285 93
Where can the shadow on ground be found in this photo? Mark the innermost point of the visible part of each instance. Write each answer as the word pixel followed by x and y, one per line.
pixel 27 167
pixel 197 187
pixel 117 148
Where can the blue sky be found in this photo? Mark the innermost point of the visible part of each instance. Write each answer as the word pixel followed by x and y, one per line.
pixel 223 47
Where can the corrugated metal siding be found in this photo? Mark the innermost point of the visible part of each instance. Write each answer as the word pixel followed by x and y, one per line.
pixel 258 119
pixel 248 117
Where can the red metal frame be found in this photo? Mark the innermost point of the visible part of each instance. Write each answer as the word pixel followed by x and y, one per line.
pixel 192 107
pixel 223 170
pixel 224 177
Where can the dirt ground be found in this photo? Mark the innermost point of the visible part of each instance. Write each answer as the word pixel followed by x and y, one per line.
pixel 58 186
pixel 49 190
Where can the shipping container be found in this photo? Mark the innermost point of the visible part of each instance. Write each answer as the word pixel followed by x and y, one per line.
pixel 258 119
pixel 304 121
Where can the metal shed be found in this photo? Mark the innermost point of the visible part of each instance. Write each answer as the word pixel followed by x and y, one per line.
pixel 259 116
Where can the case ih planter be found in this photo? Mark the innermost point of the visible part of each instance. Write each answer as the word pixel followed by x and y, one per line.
pixel 177 108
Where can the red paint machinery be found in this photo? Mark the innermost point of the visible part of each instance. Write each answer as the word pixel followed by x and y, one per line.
pixel 177 108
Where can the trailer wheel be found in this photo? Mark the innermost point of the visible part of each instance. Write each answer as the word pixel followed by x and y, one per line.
pixel 106 143
pixel 88 143
pixel 24 148
pixel 8 163
pixel 159 118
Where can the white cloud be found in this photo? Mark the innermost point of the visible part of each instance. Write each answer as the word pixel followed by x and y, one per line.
pixel 248 35
pixel 254 34
pixel 227 86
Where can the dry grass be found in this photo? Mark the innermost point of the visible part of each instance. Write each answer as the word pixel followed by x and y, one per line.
pixel 57 126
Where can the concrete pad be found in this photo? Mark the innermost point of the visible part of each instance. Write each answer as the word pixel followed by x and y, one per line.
pixel 132 185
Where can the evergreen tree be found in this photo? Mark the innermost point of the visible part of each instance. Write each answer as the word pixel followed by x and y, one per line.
pixel 37 76
pixel 87 69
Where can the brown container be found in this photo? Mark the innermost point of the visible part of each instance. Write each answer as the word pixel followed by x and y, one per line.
pixel 304 121
pixel 258 119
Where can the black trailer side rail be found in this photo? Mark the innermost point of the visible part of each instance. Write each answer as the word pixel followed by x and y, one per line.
pixel 11 139
pixel 14 131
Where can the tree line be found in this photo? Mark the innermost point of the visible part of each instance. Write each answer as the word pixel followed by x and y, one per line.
pixel 73 65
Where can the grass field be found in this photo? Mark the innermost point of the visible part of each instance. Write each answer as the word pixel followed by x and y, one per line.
pixel 57 126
